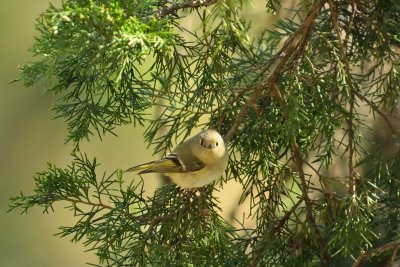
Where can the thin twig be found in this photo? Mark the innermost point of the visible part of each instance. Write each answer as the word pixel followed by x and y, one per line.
pixel 277 229
pixel 377 110
pixel 101 205
pixel 352 184
pixel 351 148
pixel 394 254
pixel 104 206
pixel 363 257
pixel 324 255
pixel 189 4
pixel 325 189
pixel 157 219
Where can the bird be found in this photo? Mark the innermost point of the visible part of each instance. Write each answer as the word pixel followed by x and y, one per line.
pixel 194 163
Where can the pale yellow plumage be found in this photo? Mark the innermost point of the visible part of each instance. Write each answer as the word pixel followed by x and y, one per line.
pixel 199 161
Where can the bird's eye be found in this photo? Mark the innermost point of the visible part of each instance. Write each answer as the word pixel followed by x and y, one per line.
pixel 201 142
pixel 216 143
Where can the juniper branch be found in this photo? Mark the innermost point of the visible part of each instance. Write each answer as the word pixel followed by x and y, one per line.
pixel 363 257
pixel 279 62
pixel 334 16
pixel 188 4
pixel 277 228
pixel 377 110
pixel 298 159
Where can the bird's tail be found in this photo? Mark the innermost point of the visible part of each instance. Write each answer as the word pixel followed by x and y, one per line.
pixel 167 164
pixel 142 167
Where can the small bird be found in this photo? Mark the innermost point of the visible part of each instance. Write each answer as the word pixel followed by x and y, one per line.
pixel 194 163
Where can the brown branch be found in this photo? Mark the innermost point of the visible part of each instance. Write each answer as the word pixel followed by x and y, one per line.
pixel 101 205
pixel 394 254
pixel 334 16
pixel 157 219
pixel 104 206
pixel 286 53
pixel 377 110
pixel 325 189
pixel 189 4
pixel 324 255
pixel 352 184
pixel 288 49
pixel 278 227
pixel 363 257
pixel 151 221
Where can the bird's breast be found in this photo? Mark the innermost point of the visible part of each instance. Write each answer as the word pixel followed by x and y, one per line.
pixel 197 179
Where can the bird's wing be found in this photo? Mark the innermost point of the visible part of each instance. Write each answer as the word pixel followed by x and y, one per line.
pixel 171 164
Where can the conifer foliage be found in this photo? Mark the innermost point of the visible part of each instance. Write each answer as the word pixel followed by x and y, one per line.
pixel 292 103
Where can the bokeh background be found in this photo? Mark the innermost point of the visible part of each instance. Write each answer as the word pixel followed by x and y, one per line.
pixel 29 139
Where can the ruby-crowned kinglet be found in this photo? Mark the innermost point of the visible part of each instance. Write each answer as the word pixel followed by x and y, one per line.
pixel 196 162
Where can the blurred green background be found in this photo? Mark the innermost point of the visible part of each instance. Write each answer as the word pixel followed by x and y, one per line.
pixel 29 139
